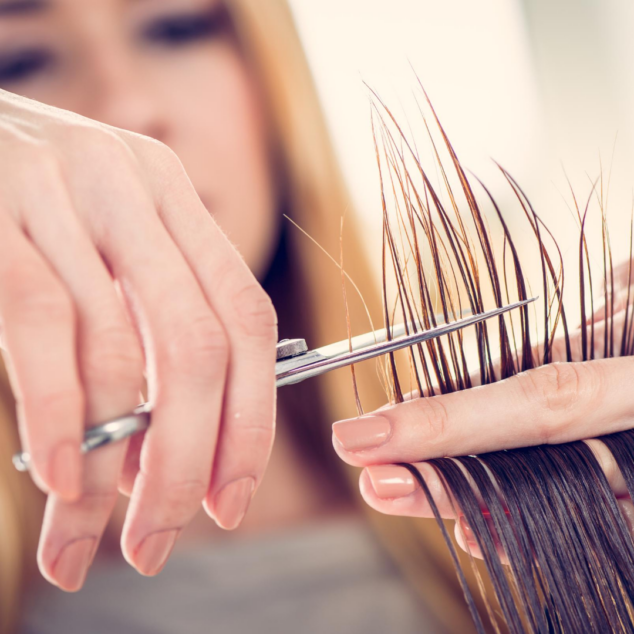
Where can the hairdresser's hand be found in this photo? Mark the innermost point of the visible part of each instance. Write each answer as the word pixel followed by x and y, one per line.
pixel 82 205
pixel 556 403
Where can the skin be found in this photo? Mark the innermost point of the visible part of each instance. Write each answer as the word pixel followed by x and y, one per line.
pixel 557 403
pixel 113 268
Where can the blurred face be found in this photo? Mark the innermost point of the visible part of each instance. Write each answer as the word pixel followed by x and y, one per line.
pixel 170 69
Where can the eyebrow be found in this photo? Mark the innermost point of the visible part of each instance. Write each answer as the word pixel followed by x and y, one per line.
pixel 21 7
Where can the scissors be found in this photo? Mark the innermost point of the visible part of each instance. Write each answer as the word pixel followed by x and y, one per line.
pixel 295 363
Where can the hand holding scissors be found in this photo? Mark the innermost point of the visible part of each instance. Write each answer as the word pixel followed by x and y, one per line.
pixel 295 363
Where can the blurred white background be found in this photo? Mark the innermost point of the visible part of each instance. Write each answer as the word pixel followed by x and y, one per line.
pixel 535 84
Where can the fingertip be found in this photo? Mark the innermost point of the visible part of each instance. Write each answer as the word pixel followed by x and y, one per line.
pixel 153 552
pixel 69 570
pixel 367 491
pixel 461 539
pixel 391 481
pixel 231 503
pixel 380 486
pixel 466 538
pixel 125 485
pixel 467 543
pixel 365 483
pixel 363 433
pixel 340 451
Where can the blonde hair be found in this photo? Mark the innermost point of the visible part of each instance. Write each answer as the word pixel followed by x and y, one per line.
pixel 318 198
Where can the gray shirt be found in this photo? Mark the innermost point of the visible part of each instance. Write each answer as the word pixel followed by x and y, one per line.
pixel 330 578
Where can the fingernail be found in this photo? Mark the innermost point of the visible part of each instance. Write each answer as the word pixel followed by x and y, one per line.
pixel 66 471
pixel 72 564
pixel 466 530
pixel 389 481
pixel 232 502
pixel 367 432
pixel 153 552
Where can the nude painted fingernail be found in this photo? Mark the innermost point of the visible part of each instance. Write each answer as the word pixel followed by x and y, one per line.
pixel 232 502
pixel 466 530
pixel 66 471
pixel 357 434
pixel 389 481
pixel 154 550
pixel 72 564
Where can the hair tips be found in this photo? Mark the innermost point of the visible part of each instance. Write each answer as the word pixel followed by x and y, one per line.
pixel 555 544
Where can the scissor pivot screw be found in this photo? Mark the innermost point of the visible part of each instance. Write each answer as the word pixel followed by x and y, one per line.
pixel 288 348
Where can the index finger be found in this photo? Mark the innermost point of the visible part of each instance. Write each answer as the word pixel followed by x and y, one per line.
pixel 555 403
pixel 250 323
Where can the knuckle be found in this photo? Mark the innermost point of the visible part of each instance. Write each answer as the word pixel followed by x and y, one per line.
pixel 554 386
pixel 162 153
pixel 98 143
pixel 87 135
pixel 200 350
pixel 39 156
pixel 155 152
pixel 30 159
pixel 261 428
pixel 179 499
pixel 113 358
pixel 434 413
pixel 255 433
pixel 559 389
pixel 255 312
pixel 98 502
pixel 54 405
pixel 112 142
pixel 185 493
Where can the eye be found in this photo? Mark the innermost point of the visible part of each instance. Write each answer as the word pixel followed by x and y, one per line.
pixel 183 29
pixel 22 65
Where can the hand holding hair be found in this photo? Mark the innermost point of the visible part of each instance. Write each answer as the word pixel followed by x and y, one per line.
pixel 551 404
pixel 112 268
pixel 514 460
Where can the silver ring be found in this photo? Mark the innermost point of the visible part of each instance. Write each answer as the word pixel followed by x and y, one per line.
pixel 105 434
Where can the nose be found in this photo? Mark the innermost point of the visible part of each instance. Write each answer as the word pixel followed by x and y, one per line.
pixel 122 97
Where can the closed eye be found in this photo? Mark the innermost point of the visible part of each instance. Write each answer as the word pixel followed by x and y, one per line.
pixel 187 28
pixel 23 64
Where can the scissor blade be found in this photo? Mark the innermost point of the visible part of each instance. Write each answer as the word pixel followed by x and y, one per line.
pixel 332 357
pixel 360 342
